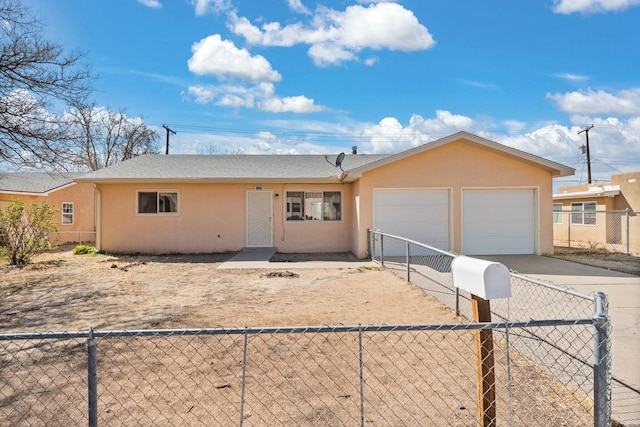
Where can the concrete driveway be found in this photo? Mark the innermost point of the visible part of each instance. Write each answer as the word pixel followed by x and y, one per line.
pixel 623 292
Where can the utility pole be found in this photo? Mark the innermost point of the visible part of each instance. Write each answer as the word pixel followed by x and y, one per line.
pixel 173 132
pixel 586 132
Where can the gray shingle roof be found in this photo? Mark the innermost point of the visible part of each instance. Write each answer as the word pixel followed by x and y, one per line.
pixel 228 167
pixel 34 182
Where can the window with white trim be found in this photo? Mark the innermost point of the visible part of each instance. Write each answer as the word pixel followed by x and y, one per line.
pixel 157 202
pixel 314 205
pixel 557 213
pixel 67 213
pixel 583 213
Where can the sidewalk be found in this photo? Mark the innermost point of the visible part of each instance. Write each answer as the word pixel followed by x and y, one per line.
pixel 259 259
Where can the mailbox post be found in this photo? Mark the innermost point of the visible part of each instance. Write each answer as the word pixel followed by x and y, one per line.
pixel 484 280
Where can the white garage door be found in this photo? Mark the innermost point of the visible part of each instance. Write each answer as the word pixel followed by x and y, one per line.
pixel 498 222
pixel 417 214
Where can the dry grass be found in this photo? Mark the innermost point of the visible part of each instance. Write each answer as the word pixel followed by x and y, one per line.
pixel 625 263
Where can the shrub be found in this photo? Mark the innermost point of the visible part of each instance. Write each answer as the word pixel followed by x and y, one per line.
pixel 25 234
pixel 83 250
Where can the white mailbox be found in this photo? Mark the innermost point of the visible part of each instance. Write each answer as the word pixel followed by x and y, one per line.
pixel 486 279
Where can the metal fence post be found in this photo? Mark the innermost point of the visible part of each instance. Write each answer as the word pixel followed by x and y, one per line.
pixel 92 380
pixel 361 369
pixel 381 249
pixel 569 229
pixel 628 231
pixel 601 363
pixel 408 262
pixel 244 376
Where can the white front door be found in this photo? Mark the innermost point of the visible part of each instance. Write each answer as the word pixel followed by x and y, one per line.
pixel 259 208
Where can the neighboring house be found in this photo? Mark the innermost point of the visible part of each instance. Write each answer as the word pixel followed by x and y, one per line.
pixel 74 202
pixel 585 222
pixel 461 193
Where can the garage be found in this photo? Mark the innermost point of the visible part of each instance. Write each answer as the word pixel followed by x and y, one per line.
pixel 417 214
pixel 498 221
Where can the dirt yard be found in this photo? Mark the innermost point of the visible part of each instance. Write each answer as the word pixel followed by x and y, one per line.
pixel 63 292
pixel 412 378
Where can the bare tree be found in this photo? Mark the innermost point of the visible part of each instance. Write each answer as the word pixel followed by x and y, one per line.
pixel 210 148
pixel 102 137
pixel 36 76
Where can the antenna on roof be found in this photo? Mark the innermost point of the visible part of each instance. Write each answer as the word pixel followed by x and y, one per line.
pixel 339 160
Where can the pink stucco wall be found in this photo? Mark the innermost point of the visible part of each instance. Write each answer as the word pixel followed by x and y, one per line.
pixel 456 166
pixel 81 195
pixel 212 218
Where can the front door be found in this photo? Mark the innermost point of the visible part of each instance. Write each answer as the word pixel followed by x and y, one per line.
pixel 259 219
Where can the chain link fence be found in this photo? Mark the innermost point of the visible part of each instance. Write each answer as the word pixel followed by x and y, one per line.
pixel 551 350
pixel 409 375
pixel 594 230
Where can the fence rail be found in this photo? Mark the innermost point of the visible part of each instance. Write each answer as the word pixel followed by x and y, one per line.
pixel 346 375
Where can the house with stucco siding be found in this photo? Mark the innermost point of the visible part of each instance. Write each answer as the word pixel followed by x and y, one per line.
pixel 74 202
pixel 462 193
pixel 603 215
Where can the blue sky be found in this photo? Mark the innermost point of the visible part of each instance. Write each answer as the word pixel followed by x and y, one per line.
pixel 296 76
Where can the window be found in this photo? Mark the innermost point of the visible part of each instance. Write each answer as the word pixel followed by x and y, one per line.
pixel 557 213
pixel 314 206
pixel 583 213
pixel 67 213
pixel 157 202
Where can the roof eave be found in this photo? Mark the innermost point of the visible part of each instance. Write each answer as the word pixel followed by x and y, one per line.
pixel 263 180
pixel 586 194
pixel 25 193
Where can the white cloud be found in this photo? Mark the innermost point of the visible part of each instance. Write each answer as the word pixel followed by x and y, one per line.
pixel 202 95
pixel 154 4
pixel 480 85
pixel 338 36
pixel 371 60
pixel 592 6
pixel 324 55
pixel 571 77
pixel 205 7
pixel 290 104
pixel 222 58
pixel 298 7
pixel 625 102
pixel 261 96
